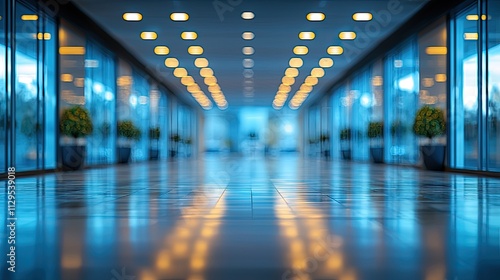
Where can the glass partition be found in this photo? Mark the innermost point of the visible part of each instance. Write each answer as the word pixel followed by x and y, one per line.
pixel 100 100
pixel 401 103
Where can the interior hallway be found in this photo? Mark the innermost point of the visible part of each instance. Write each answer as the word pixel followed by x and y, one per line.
pixel 256 218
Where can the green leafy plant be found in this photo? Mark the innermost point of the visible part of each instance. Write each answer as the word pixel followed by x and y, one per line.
pixel 324 137
pixel 154 133
pixel 397 128
pixel 174 137
pixel 375 130
pixel 75 122
pixel 429 122
pixel 128 130
pixel 188 141
pixel 345 134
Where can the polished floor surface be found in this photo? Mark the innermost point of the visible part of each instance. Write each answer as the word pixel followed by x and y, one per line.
pixel 255 218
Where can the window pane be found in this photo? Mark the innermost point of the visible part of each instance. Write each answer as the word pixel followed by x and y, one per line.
pixel 27 122
pixel 465 100
pixel 50 97
pixel 3 93
pixel 494 85
pixel 100 100
pixel 401 91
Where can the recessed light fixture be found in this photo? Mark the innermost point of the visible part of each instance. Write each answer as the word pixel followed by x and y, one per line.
pixel 179 16
pixel 335 50
pixel 189 35
pixel 171 62
pixel 206 72
pixel 291 72
pixel 187 81
pixel 441 78
pixel 195 50
pixel 306 88
pixel 149 35
pixel 248 50
pixel 67 78
pixel 210 81
pixel 74 50
pixel 317 72
pixel 300 50
pixel 180 72
pixel 436 50
pixel 471 36
pixel 29 17
pixel 247 15
pixel 347 35
pixel 248 63
pixel 44 36
pixel 201 62
pixel 132 16
pixel 307 35
pixel 362 16
pixel 284 88
pixel 248 73
pixel 296 62
pixel 311 81
pixel 326 62
pixel 288 81
pixel 315 16
pixel 248 35
pixel 162 50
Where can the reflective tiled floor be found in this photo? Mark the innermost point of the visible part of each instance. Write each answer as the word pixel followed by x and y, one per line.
pixel 255 218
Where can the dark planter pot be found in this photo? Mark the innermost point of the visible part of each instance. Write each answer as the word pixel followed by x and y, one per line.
pixel 377 154
pixel 124 154
pixel 434 156
pixel 73 157
pixel 173 153
pixel 346 154
pixel 154 154
pixel 326 153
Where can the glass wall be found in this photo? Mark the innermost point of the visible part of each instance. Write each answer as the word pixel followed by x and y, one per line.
pixel 361 99
pixel 34 88
pixel 475 100
pixel 493 89
pixel 401 103
pixel 100 99
pixel 3 92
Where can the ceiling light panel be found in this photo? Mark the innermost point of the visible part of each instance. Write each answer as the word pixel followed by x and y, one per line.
pixel 307 35
pixel 347 35
pixel 362 16
pixel 195 50
pixel 132 17
pixel 248 36
pixel 300 50
pixel 315 17
pixel 189 35
pixel 179 16
pixel 335 50
pixel 149 35
pixel 247 15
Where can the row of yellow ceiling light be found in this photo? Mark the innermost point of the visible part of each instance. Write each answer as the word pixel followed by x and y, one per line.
pixel 207 73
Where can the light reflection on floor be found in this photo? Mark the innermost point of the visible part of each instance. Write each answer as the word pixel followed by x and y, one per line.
pixel 256 218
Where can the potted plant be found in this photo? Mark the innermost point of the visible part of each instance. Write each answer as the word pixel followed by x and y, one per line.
pixel 324 138
pixel 430 123
pixel 75 123
pixel 154 136
pixel 376 135
pixel 174 144
pixel 188 143
pixel 345 143
pixel 127 134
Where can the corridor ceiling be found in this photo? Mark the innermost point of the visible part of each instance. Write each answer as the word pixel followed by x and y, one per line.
pixel 276 26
